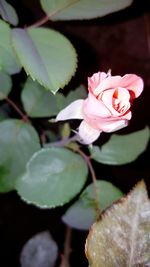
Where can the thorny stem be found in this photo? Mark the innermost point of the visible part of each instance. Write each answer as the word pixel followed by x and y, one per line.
pixel 50 15
pixel 87 160
pixel 67 248
pixel 23 116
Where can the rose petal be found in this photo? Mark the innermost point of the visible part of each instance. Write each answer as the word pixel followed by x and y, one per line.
pixel 94 81
pixel 73 111
pixel 87 134
pixel 108 83
pixel 112 125
pixel 95 107
pixel 132 82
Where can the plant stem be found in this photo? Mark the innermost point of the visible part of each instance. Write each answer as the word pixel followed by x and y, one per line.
pixel 23 116
pixel 51 14
pixel 67 248
pixel 89 164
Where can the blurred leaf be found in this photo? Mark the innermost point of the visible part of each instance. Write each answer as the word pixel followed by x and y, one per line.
pixel 122 235
pixel 65 130
pixel 46 55
pixel 81 9
pixel 40 251
pixel 37 101
pixel 18 142
pixel 5 85
pixel 122 149
pixel 8 59
pixel 40 103
pixel 82 213
pixel 53 177
pixel 8 13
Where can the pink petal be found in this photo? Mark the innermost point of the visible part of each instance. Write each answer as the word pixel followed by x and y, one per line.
pixel 73 111
pixel 132 82
pixel 107 98
pixel 94 107
pixel 87 134
pixel 108 83
pixel 112 125
pixel 94 81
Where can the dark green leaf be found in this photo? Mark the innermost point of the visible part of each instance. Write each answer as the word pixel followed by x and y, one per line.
pixel 122 149
pixel 46 55
pixel 8 59
pixel 82 213
pixel 5 85
pixel 53 177
pixel 18 142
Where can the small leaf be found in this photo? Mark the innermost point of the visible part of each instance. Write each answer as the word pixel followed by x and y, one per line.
pixel 81 9
pixel 5 85
pixel 122 235
pixel 8 13
pixel 18 142
pixel 82 213
pixel 46 55
pixel 53 177
pixel 40 103
pixel 37 101
pixel 40 251
pixel 122 149
pixel 8 59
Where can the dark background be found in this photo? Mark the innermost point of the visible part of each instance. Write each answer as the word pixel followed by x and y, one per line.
pixel 120 41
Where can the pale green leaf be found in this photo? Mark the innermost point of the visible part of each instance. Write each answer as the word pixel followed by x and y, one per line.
pixel 53 177
pixel 46 55
pixel 39 251
pixel 82 213
pixel 8 59
pixel 122 149
pixel 8 13
pixel 121 238
pixel 81 9
pixel 18 142
pixel 5 85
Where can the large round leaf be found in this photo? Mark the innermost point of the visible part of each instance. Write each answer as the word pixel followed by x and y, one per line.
pixel 18 142
pixel 8 60
pixel 46 55
pixel 53 177
pixel 122 149
pixel 81 9
pixel 5 85
pixel 82 213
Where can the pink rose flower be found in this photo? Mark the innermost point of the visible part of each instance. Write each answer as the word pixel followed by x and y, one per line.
pixel 107 107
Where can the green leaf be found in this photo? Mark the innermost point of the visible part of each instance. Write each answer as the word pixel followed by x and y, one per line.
pixel 5 85
pixel 122 235
pixel 81 9
pixel 122 149
pixel 82 213
pixel 8 13
pixel 53 177
pixel 39 251
pixel 37 101
pixel 40 103
pixel 8 60
pixel 46 55
pixel 18 142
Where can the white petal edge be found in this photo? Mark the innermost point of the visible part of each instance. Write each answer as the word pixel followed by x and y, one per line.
pixel 87 134
pixel 73 111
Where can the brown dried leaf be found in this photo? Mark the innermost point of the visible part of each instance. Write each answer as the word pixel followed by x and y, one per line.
pixel 122 236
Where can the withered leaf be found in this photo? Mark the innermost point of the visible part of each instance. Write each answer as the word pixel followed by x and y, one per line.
pixel 121 238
